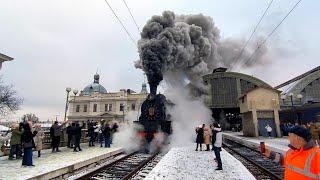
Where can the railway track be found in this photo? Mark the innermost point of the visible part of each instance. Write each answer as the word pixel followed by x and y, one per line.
pixel 124 168
pixel 260 166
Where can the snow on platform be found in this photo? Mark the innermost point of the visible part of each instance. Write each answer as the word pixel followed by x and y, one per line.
pixel 276 144
pixel 186 163
pixel 51 165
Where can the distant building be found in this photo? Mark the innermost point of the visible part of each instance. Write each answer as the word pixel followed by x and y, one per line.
pixel 224 90
pixel 95 103
pixel 4 58
pixel 260 107
pixel 300 99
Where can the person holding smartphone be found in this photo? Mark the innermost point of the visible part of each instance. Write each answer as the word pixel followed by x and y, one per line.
pixel 302 160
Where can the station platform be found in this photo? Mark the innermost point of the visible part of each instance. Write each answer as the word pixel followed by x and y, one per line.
pixel 55 165
pixel 186 163
pixel 279 145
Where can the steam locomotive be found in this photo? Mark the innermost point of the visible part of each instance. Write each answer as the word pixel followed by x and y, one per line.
pixel 153 118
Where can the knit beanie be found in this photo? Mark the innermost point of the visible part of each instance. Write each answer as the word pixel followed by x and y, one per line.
pixel 301 132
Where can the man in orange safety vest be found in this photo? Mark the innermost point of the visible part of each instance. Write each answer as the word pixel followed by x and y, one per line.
pixel 302 160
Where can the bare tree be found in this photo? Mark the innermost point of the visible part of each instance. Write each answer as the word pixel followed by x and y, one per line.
pixel 9 101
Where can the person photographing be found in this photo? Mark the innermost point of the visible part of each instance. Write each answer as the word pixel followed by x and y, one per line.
pixel 302 160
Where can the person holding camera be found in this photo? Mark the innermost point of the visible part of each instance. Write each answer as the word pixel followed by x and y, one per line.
pixel 302 160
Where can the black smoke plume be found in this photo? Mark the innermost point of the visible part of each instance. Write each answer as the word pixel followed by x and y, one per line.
pixel 188 45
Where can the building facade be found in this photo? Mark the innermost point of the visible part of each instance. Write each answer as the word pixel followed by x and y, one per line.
pixel 95 103
pixel 260 107
pixel 300 98
pixel 224 90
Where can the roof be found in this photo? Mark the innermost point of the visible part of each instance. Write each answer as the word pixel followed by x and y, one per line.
pixel 219 69
pixel 253 89
pixel 5 57
pixel 94 87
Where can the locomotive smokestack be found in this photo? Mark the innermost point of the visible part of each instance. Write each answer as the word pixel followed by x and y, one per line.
pixel 153 89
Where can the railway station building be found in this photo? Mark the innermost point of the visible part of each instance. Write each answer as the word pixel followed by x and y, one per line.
pixel 300 98
pixel 95 103
pixel 259 108
pixel 225 88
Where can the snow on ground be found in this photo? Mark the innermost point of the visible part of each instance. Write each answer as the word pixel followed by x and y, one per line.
pixel 276 144
pixel 12 169
pixel 186 163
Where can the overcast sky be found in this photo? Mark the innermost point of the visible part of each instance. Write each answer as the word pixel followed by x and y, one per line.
pixel 61 43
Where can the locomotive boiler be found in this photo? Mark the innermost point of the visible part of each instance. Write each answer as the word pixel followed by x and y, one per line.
pixel 153 118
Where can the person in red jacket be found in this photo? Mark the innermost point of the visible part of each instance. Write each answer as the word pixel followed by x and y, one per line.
pixel 302 160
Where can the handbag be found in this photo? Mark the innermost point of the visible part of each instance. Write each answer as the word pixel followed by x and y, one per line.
pixel 28 145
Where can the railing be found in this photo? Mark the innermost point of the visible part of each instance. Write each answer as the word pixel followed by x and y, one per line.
pixel 46 142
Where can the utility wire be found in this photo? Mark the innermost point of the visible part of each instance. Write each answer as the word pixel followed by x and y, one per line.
pixel 131 15
pixel 254 30
pixel 270 34
pixel 114 13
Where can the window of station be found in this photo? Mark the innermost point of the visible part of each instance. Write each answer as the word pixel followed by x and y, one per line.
pixel 110 107
pixel 95 108
pixel 133 107
pixel 85 108
pixel 121 107
pixel 78 108
pixel 105 107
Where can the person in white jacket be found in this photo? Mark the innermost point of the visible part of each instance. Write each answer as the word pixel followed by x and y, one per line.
pixel 269 130
pixel 217 144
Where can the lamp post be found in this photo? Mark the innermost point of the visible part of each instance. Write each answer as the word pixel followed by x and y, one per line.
pixel 292 107
pixel 75 92
pixel 283 97
pixel 65 112
pixel 299 96
pixel 122 108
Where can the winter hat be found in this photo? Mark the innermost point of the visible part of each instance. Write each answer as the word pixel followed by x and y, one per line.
pixel 301 132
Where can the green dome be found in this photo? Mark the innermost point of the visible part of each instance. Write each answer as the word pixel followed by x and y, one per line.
pixel 94 87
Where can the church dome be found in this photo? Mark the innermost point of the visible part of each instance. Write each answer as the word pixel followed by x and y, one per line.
pixel 94 87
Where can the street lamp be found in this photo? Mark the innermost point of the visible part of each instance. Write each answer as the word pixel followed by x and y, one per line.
pixel 292 107
pixel 283 97
pixel 299 96
pixel 65 112
pixel 75 92
pixel 122 108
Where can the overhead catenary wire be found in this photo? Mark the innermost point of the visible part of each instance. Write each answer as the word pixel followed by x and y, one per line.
pixel 135 22
pixel 125 29
pixel 254 30
pixel 270 34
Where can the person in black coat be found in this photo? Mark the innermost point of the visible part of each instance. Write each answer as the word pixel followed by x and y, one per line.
pixel 199 139
pixel 107 136
pixel 28 144
pixel 91 133
pixel 69 133
pixel 77 137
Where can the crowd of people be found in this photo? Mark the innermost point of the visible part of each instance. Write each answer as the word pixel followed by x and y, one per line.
pixel 97 132
pixel 314 129
pixel 25 137
pixel 211 135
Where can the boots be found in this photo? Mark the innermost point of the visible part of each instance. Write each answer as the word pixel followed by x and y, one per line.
pixel 208 147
